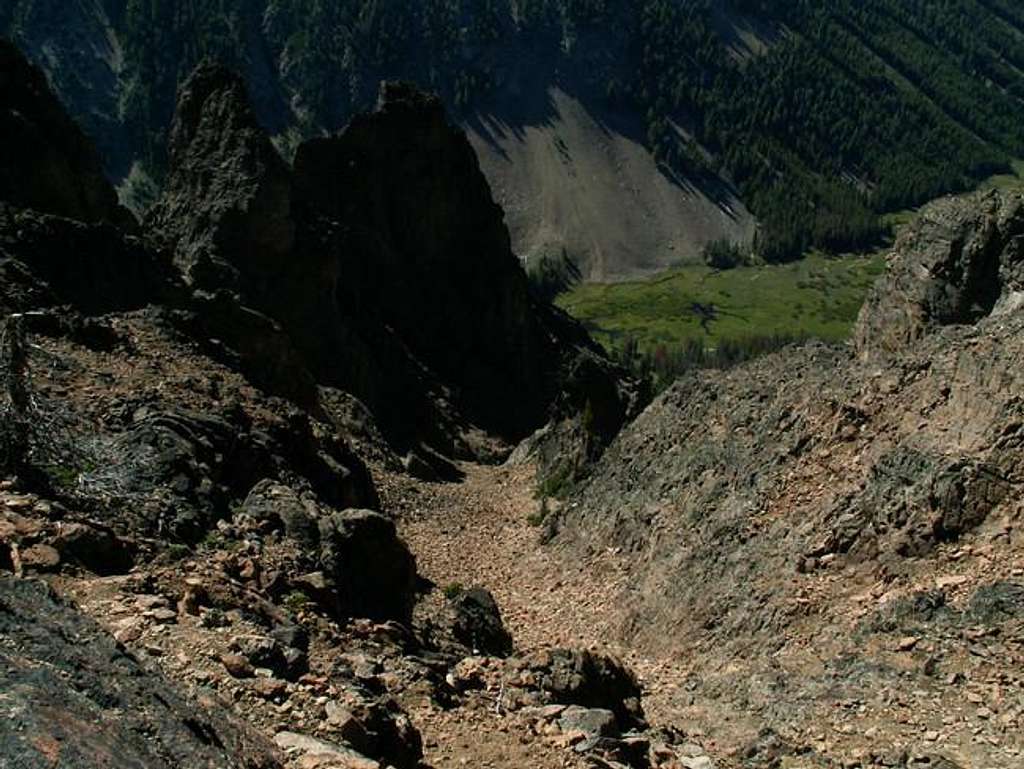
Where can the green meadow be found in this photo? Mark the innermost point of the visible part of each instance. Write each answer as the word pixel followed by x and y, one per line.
pixel 819 296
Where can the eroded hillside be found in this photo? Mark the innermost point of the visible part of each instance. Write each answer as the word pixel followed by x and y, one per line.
pixel 828 542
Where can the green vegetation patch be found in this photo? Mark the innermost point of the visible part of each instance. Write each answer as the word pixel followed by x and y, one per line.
pixel 817 297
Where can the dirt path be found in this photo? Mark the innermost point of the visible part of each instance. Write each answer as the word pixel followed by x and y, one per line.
pixel 479 532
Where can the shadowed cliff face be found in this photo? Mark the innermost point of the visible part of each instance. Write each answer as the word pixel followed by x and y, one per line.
pixel 382 253
pixel 63 237
pixel 46 162
pixel 428 251
pixel 226 205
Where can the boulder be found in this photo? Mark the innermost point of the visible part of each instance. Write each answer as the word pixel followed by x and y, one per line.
pixel 594 722
pixel 39 558
pixel 283 659
pixel 315 752
pixel 279 506
pixel 477 623
pixel 587 679
pixel 101 552
pixel 373 572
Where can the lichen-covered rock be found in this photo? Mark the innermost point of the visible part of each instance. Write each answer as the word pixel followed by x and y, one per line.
pixel 200 461
pixel 74 697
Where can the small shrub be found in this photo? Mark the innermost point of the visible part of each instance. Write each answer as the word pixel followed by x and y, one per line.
pixel 214 617
pixel 723 254
pixel 295 601
pixel 541 515
pixel 452 590
pixel 557 484
pixel 552 274
pixel 178 552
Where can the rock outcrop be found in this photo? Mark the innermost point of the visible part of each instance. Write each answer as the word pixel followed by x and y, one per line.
pixel 961 260
pixel 429 252
pixel 93 267
pixel 819 522
pixel 64 239
pixel 382 254
pixel 226 206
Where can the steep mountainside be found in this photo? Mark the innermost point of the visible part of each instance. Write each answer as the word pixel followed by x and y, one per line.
pixel 210 553
pixel 196 568
pixel 46 162
pixel 405 295
pixel 382 254
pixel 791 520
pixel 628 134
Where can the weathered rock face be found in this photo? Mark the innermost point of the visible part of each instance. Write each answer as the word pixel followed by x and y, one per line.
pixel 46 162
pixel 809 461
pixel 77 698
pixel 226 207
pixel 62 232
pixel 430 253
pixel 960 261
pixel 93 267
pixel 201 461
pixel 383 255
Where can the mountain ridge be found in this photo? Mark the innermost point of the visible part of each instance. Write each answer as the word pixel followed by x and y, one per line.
pixel 813 121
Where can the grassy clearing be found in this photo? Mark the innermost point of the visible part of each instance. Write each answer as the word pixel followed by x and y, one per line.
pixel 818 296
